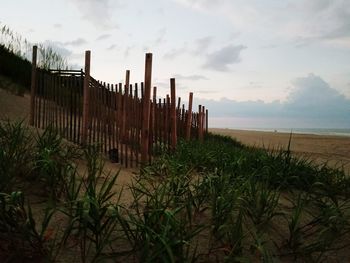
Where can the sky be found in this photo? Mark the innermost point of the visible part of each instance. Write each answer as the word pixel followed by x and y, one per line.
pixel 271 63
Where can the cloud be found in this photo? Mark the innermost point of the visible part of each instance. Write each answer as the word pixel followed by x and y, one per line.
pixel 313 97
pixel 104 36
pixel 198 47
pixel 58 47
pixel 176 51
pixel 326 19
pixel 190 77
pixel 76 42
pixel 222 59
pixel 57 25
pixel 292 20
pixel 311 102
pixel 97 12
pixel 111 47
pixel 202 45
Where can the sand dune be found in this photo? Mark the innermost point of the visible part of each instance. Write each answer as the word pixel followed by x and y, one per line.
pixel 334 150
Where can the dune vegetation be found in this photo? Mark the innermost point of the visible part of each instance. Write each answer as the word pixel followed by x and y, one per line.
pixel 216 201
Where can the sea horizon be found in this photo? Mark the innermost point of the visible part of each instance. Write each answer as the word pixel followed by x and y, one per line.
pixel 313 131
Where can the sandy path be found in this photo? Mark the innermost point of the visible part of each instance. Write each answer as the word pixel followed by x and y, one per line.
pixel 13 107
pixel 332 149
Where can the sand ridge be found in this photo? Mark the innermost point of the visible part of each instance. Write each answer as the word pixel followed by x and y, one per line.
pixel 333 150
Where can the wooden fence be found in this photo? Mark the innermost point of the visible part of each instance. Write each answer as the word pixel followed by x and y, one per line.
pixel 124 120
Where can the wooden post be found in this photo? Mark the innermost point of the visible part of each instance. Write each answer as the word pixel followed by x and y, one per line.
pixel 86 96
pixel 33 86
pixel 173 114
pixel 206 121
pixel 203 121
pixel 153 114
pixel 189 117
pixel 200 131
pixel 125 96
pixel 146 109
pixel 127 81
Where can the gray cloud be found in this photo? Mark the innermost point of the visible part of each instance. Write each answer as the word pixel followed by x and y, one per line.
pixel 202 45
pixel 223 58
pixel 58 47
pixel 176 51
pixel 57 25
pixel 76 42
pixel 319 20
pixel 316 5
pixel 97 12
pixel 309 21
pixel 104 36
pixel 311 100
pixel 190 77
pixel 314 97
pixel 198 47
pixel 342 28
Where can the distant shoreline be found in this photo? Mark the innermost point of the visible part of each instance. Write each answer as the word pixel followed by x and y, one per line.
pixel 306 131
pixel 331 149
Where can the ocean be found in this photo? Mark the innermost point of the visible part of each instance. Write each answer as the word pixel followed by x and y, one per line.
pixel 315 131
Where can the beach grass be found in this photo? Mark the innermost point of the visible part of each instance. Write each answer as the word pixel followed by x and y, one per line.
pixel 211 201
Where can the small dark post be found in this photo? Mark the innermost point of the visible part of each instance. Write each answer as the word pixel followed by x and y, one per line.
pixel 86 96
pixel 125 96
pixel 206 121
pixel 200 121
pixel 173 114
pixel 33 86
pixel 189 117
pixel 146 109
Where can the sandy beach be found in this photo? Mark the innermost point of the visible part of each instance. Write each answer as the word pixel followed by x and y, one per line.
pixel 335 150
